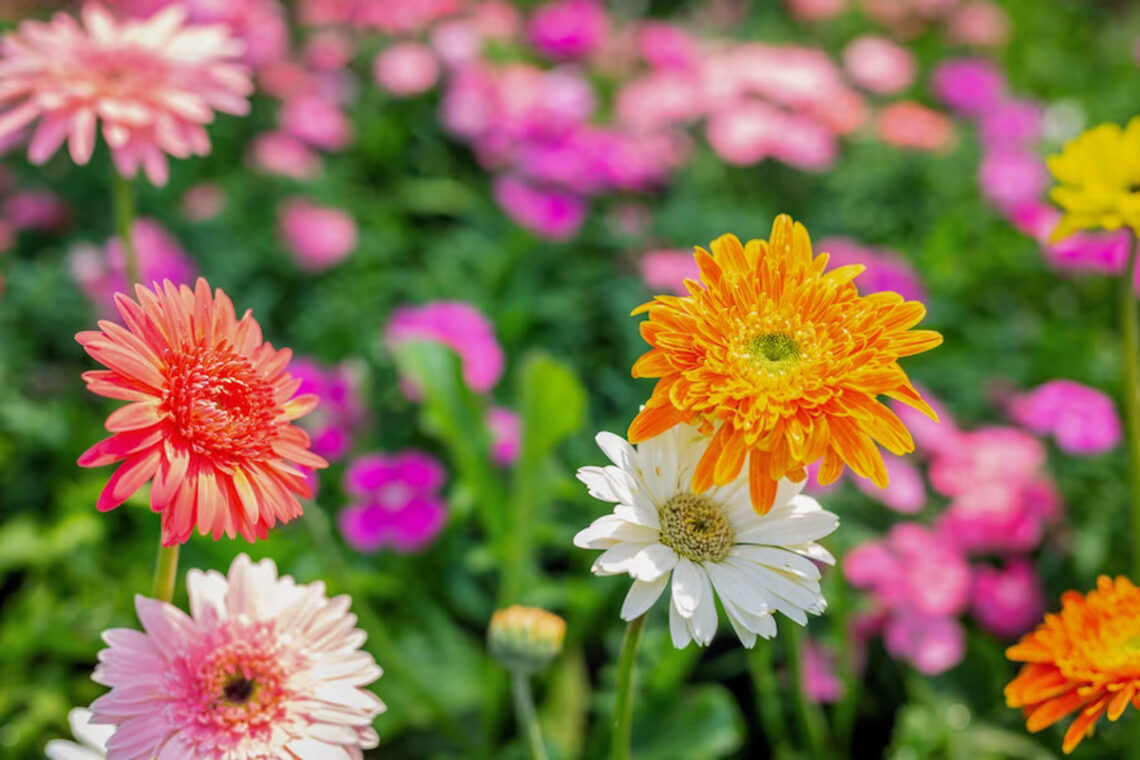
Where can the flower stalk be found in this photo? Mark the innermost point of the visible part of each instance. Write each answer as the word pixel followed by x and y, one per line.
pixel 525 713
pixel 623 704
pixel 165 573
pixel 1131 396
pixel 123 200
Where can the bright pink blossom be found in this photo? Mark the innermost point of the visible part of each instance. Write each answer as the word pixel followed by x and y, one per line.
pixel 666 270
pixel 407 68
pixel 281 153
pixel 667 46
pixel 459 326
pixel 1012 177
pixel 317 121
pixel 506 434
pixel 36 210
pixel 969 86
pixel 333 424
pixel 395 501
pixel 547 212
pixel 153 84
pixel 1009 121
pixel 932 645
pixel 1083 420
pixel 821 684
pixel 1008 601
pixel 262 667
pixel 319 237
pixel 906 493
pixel 568 29
pixel 885 269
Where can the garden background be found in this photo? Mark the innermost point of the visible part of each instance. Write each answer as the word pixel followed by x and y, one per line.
pixel 541 187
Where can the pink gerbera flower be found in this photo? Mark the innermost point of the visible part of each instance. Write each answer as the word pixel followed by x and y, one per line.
pixel 261 668
pixel 210 415
pixel 154 83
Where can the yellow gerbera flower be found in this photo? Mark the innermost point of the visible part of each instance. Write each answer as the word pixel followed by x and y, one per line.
pixel 1099 174
pixel 781 363
pixel 1083 660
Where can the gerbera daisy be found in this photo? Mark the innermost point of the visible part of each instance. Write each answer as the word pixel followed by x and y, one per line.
pixel 1083 660
pixel 1099 173
pixel 262 667
pixel 711 544
pixel 781 363
pixel 154 83
pixel 209 418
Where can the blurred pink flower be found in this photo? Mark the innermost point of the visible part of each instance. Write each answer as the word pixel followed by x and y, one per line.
pixel 459 326
pixel 456 43
pixel 549 213
pixel 999 455
pixel 659 99
pixel 1083 420
pixel 1000 517
pixel 101 272
pixel 816 10
pixel 932 645
pixel 395 501
pixel 506 434
pixel 969 86
pixel 36 210
pixel 885 269
pixel 910 125
pixel 930 437
pixel 879 64
pixel 153 83
pixel 804 143
pixel 906 493
pixel 666 270
pixel 1012 121
pixel 1008 601
pixel 742 133
pixel 406 68
pixel 202 202
pixel 333 423
pixel 329 49
pixel 981 24
pixel 316 120
pixel 821 684
pixel 911 569
pixel 319 237
pixel 1012 177
pixel 667 46
pixel 792 76
pixel 1103 252
pixel 568 29
pixel 281 153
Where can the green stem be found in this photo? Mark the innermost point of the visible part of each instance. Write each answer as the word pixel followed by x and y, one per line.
pixel 768 700
pixel 165 573
pixel 123 199
pixel 846 710
pixel 525 713
pixel 623 704
pixel 807 714
pixel 1132 418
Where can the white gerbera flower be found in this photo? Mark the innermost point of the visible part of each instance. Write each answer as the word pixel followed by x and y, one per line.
pixel 712 544
pixel 93 737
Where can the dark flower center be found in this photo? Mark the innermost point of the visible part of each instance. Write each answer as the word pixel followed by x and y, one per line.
pixel 238 689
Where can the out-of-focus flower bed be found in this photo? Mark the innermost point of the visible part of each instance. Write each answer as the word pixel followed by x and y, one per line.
pixel 509 181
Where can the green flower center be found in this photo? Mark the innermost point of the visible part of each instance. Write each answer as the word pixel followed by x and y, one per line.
pixel 774 347
pixel 696 527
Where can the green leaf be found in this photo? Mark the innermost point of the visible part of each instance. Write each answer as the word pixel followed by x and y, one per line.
pixel 563 713
pixel 704 723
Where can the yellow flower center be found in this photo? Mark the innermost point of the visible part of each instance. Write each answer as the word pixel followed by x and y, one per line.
pixel 696 527
pixel 774 347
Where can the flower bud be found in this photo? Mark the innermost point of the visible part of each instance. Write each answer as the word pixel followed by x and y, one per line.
pixel 525 638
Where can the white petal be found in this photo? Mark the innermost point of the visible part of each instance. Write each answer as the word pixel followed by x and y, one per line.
pixel 92 734
pixel 58 749
pixel 618 450
pixel 778 559
pixel 703 622
pixel 813 551
pixel 641 597
pixel 639 511
pixel 678 627
pixel 796 529
pixel 652 562
pixel 607 483
pixel 614 559
pixel 611 529
pixel 687 587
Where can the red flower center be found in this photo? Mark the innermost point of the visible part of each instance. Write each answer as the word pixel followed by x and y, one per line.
pixel 220 404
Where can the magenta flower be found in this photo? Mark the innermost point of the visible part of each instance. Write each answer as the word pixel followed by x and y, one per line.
pixel 459 326
pixel 332 424
pixel 101 272
pixel 1081 419
pixel 568 29
pixel 36 210
pixel 549 213
pixel 1008 601
pixel 319 237
pixel 395 502
pixel 1012 177
pixel 405 69
pixel 885 269
pixel 969 86
pixel 281 153
pixel 906 493
pixel 667 46
pixel 818 673
pixel 506 434
pixel 316 120
pixel 932 645
pixel 1009 121
pixel 667 270
pixel 262 667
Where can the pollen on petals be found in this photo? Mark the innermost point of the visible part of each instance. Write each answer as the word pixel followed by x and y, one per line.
pixel 209 423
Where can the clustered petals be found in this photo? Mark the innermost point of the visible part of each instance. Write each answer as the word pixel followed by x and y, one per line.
pixel 782 363
pixel 209 423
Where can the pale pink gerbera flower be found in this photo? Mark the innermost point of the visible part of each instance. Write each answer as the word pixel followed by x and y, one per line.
pixel 154 83
pixel 210 416
pixel 261 668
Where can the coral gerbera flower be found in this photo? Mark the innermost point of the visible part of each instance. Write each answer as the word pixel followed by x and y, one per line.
pixel 209 418
pixel 782 363
pixel 1086 660
pixel 1099 176
pixel 154 83
pixel 263 667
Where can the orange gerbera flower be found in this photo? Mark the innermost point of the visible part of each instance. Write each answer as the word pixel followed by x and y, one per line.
pixel 1084 660
pixel 209 418
pixel 782 363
